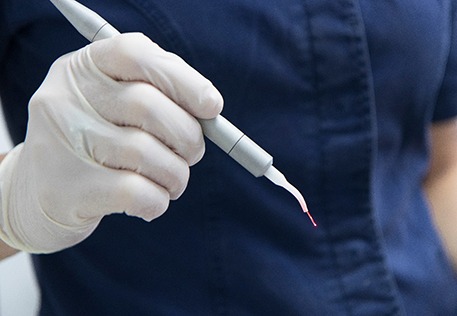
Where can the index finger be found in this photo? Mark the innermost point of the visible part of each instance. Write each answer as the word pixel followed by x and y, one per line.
pixel 134 57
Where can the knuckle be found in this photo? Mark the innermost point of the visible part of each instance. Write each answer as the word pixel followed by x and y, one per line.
pixel 128 44
pixel 136 48
pixel 192 143
pixel 160 206
pixel 125 49
pixel 44 97
pixel 170 171
pixel 38 100
pixel 156 207
pixel 178 175
pixel 41 102
pixel 138 96
pixel 135 147
pixel 147 201
pixel 211 101
pixel 137 139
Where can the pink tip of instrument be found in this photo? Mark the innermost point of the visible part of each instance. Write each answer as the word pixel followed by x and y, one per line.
pixel 278 178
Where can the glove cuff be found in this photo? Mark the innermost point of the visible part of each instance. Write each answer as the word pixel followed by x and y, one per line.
pixel 7 167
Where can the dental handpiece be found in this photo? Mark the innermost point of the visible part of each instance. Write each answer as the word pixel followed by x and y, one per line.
pixel 219 130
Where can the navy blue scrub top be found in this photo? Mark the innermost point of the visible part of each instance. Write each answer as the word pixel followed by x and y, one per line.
pixel 341 92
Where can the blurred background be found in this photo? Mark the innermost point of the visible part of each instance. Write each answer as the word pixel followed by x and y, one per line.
pixel 18 289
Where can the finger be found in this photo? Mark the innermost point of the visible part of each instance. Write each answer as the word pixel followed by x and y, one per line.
pixel 134 57
pixel 123 191
pixel 142 105
pixel 134 150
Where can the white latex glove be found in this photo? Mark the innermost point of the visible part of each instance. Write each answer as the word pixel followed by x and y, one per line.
pixel 112 129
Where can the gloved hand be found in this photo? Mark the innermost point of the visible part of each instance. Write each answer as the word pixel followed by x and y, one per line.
pixel 112 129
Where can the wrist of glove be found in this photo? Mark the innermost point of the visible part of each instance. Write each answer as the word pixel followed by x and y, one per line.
pixel 112 129
pixel 23 221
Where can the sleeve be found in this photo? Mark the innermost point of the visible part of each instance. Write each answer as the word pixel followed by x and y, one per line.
pixel 446 106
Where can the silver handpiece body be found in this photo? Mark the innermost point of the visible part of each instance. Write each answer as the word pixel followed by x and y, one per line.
pixel 219 130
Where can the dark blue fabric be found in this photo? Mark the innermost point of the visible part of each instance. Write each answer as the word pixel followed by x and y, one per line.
pixel 340 92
